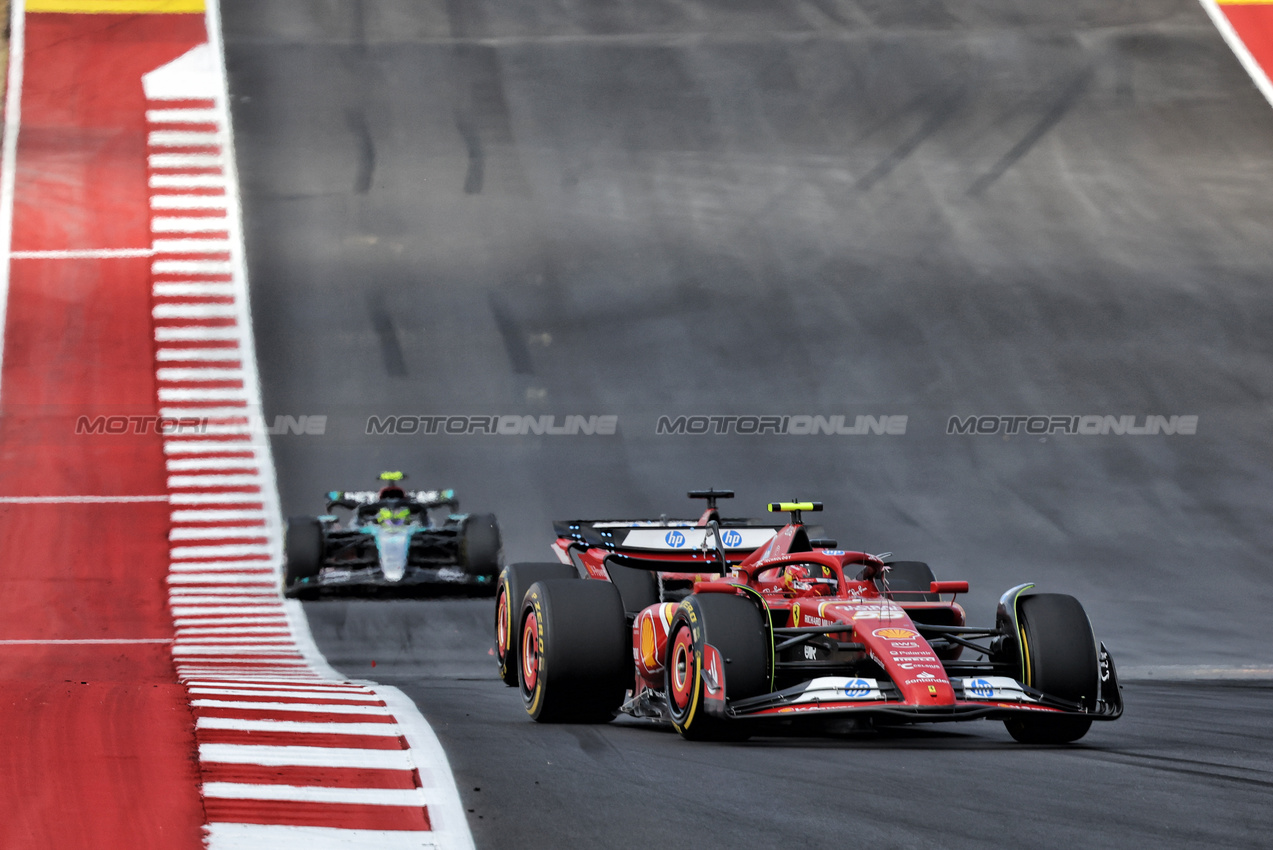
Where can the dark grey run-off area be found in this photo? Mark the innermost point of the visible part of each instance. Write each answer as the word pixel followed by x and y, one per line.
pixel 792 207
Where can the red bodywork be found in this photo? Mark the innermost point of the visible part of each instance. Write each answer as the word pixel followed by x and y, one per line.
pixel 879 627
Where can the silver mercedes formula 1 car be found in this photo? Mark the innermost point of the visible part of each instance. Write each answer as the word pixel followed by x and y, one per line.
pixel 393 542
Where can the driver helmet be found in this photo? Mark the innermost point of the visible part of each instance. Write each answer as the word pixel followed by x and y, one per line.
pixel 809 580
pixel 392 516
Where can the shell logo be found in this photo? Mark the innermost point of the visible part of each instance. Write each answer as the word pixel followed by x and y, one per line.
pixel 895 634
pixel 647 646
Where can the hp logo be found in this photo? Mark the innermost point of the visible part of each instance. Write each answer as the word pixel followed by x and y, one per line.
pixel 732 539
pixel 857 688
pixel 675 539
pixel 981 689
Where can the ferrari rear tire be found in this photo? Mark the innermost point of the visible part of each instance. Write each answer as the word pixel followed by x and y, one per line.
pixel 303 551
pixel 509 594
pixel 481 546
pixel 737 629
pixel 575 654
pixel 1059 658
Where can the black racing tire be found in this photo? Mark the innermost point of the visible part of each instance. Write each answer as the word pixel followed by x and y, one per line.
pixel 1060 658
pixel 738 630
pixel 302 549
pixel 575 653
pixel 481 546
pixel 510 591
pixel 913 578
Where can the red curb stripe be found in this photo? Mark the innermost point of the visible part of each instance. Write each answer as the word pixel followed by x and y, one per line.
pixel 301 739
pixel 342 815
pixel 330 777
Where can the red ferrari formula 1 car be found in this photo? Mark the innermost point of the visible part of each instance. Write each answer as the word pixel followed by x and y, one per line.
pixel 781 626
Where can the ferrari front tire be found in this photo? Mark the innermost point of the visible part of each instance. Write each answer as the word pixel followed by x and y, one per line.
pixel 1059 658
pixel 575 653
pixel 737 629
pixel 510 591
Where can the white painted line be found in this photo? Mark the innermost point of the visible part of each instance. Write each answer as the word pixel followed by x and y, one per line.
pixel 230 550
pixel 239 724
pixel 84 641
pixel 164 334
pixel 83 254
pixel 185 160
pixel 247 836
pixel 327 695
pixel 213 480
pixel 182 139
pixel 9 155
pixel 241 633
pixel 199 373
pixel 315 794
pixel 202 287
pixel 239 413
pixel 1239 48
pixel 212 515
pixel 313 708
pixel 214 498
pixel 224 578
pixel 79 500
pixel 299 687
pixel 190 267
pixel 190 224
pixel 269 756
pixel 191 309
pixel 231 650
pixel 318 685
pixel 219 394
pixel 170 354
pixel 215 533
pixel 188 202
pixel 183 116
pixel 238 430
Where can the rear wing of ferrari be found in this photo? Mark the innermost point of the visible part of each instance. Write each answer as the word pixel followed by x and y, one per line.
pixel 665 537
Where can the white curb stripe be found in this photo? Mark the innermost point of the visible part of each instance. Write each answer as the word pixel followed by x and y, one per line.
pixel 240 724
pixel 315 794
pixel 306 756
pixel 243 836
pixel 311 708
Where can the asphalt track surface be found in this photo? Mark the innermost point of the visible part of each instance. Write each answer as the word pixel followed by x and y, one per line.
pixel 784 208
